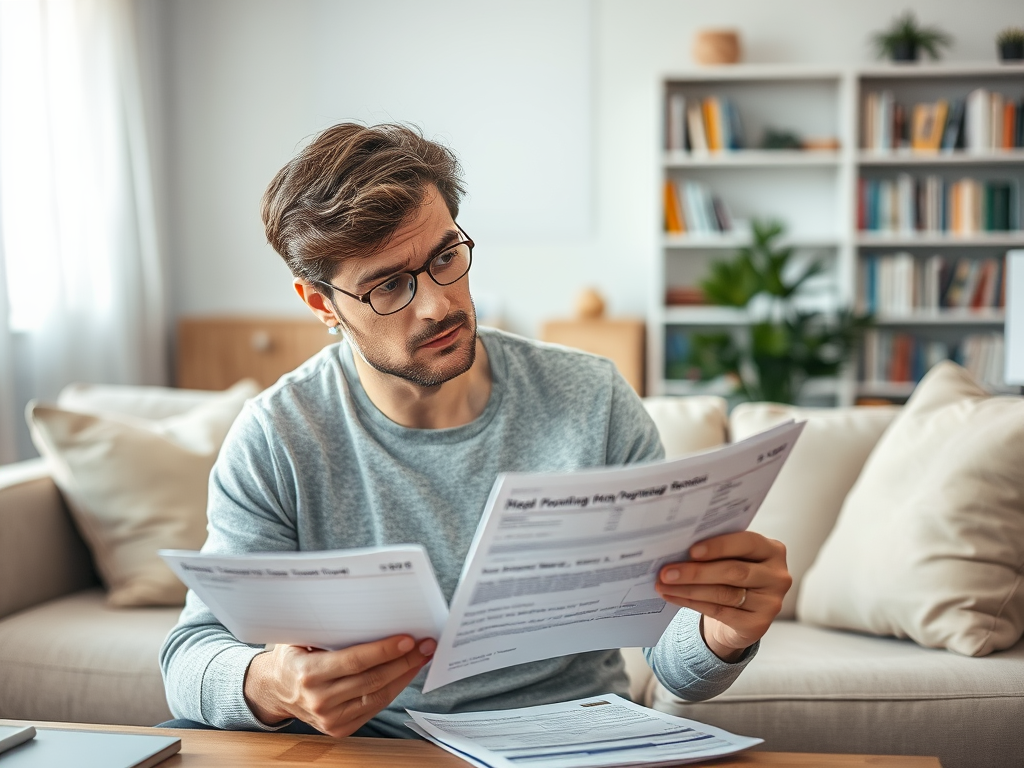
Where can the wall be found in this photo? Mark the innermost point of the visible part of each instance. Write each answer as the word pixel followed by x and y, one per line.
pixel 553 108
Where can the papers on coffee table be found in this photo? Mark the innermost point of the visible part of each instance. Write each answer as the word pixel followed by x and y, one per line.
pixel 326 600
pixel 567 563
pixel 601 731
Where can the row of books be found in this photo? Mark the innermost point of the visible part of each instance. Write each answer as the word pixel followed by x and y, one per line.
pixel 691 207
pixel 899 284
pixel 903 357
pixel 936 204
pixel 984 121
pixel 702 125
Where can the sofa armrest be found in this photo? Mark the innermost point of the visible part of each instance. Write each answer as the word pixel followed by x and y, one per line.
pixel 41 554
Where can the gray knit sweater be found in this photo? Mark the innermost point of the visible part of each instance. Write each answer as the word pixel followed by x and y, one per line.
pixel 312 464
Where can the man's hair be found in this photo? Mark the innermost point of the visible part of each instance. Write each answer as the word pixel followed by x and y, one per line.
pixel 349 191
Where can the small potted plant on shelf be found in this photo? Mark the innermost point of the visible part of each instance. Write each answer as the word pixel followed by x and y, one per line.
pixel 903 40
pixel 1011 44
pixel 783 345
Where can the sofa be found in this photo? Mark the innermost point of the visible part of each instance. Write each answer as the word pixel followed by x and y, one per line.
pixel 66 655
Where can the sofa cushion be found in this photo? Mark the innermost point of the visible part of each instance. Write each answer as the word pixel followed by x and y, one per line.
pixel 135 485
pixel 803 504
pixel 930 542
pixel 820 690
pixel 689 424
pixel 76 659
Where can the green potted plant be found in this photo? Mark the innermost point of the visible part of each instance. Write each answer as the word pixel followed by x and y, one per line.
pixel 1011 44
pixel 783 346
pixel 903 40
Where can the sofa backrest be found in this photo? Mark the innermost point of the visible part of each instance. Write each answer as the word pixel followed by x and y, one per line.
pixel 41 554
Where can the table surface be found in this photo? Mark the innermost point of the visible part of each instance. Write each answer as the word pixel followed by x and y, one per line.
pixel 238 749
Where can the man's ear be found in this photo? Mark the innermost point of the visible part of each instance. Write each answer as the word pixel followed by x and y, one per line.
pixel 316 302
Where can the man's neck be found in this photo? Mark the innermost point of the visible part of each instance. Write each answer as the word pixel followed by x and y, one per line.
pixel 452 404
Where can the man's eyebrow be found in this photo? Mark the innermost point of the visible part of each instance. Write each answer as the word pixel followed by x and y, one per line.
pixel 445 240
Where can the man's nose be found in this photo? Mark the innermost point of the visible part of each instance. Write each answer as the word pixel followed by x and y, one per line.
pixel 431 302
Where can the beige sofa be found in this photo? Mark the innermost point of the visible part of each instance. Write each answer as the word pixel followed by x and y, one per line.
pixel 65 656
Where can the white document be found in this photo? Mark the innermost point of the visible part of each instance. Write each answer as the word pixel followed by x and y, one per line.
pixel 567 563
pixel 597 731
pixel 327 600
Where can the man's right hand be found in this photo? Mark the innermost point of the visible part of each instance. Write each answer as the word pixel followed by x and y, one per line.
pixel 334 691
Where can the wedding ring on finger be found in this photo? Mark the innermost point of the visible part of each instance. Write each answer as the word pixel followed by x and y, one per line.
pixel 743 599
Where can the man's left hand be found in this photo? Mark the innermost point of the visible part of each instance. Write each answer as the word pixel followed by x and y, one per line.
pixel 737 581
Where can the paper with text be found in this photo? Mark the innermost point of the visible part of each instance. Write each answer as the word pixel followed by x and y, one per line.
pixel 597 731
pixel 566 563
pixel 327 600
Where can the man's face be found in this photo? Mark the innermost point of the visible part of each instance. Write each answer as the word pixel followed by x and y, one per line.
pixel 433 339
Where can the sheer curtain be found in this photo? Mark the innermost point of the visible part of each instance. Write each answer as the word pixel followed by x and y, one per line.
pixel 82 278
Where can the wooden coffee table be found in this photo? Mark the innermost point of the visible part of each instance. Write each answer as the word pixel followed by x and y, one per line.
pixel 236 749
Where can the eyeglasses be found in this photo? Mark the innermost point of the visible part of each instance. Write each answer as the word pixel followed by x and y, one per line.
pixel 395 293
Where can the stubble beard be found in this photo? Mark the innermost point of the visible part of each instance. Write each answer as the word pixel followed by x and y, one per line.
pixel 459 359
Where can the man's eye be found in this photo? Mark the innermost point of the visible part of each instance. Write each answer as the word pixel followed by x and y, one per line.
pixel 390 286
pixel 444 259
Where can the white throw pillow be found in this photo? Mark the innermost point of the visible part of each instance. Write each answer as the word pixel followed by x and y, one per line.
pixel 145 402
pixel 689 424
pixel 930 542
pixel 135 486
pixel 803 504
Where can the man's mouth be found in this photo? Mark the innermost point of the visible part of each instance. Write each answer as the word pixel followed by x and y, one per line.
pixel 444 339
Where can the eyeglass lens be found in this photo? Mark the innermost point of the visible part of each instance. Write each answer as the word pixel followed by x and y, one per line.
pixel 445 268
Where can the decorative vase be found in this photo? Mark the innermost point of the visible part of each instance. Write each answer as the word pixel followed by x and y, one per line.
pixel 1011 51
pixel 716 46
pixel 904 50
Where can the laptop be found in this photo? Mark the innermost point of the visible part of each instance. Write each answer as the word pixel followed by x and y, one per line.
pixel 88 749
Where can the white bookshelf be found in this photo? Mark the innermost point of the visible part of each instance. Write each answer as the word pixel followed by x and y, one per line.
pixel 814 192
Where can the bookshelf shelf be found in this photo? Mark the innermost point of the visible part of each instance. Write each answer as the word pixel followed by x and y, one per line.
pixel 705 316
pixel 869 158
pixel 816 193
pixel 940 239
pixel 740 239
pixel 752 158
pixel 943 318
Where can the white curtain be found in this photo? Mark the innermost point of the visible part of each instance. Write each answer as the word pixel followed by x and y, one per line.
pixel 84 285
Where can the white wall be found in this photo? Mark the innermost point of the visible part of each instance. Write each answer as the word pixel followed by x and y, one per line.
pixel 552 106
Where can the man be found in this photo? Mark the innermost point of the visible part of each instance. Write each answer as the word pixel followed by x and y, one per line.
pixel 396 435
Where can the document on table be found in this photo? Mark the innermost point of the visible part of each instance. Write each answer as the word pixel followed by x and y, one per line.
pixel 327 600
pixel 597 731
pixel 566 563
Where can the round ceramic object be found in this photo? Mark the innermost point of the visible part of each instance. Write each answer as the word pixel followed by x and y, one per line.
pixel 717 46
pixel 589 304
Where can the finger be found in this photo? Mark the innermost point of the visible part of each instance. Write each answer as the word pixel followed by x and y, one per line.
pixel 733 597
pixel 356 659
pixel 728 615
pixel 380 677
pixel 730 573
pixel 744 545
pixel 350 715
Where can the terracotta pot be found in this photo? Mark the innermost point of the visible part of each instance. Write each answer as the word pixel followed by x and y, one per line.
pixel 717 46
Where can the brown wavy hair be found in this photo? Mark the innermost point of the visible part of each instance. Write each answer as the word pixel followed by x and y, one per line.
pixel 350 190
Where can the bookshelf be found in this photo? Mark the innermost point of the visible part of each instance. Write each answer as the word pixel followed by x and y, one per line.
pixel 818 194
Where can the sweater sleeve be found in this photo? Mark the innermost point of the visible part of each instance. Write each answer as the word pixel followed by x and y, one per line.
pixel 251 509
pixel 685 665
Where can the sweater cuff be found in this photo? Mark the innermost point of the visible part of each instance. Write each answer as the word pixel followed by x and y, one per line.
pixel 685 665
pixel 223 691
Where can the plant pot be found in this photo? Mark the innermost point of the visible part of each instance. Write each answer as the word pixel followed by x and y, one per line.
pixel 1011 51
pixel 904 50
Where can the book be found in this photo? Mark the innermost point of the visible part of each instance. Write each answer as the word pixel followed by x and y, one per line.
pixel 978 116
pixel 952 135
pixel 675 130
pixel 90 749
pixel 695 129
pixel 674 222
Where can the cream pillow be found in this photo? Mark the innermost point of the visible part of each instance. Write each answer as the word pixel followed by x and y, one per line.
pixel 930 542
pixel 135 486
pixel 805 500
pixel 689 424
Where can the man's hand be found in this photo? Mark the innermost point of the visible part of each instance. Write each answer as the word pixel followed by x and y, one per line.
pixel 737 581
pixel 334 691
